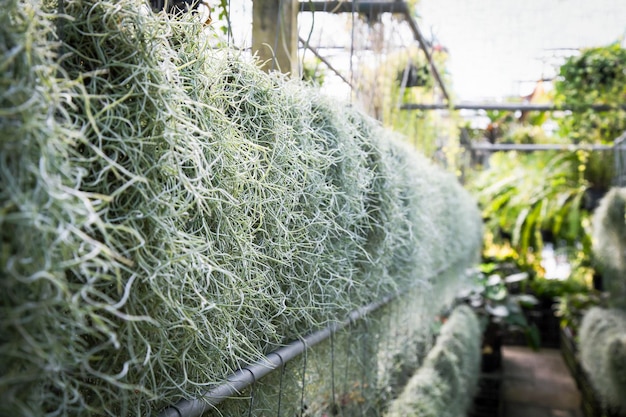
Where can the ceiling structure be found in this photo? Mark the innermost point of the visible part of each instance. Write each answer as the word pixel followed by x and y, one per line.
pixel 501 48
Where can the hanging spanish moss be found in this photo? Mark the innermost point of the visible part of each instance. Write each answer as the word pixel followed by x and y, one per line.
pixel 170 213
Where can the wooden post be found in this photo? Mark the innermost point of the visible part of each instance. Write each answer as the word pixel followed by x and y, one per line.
pixel 275 35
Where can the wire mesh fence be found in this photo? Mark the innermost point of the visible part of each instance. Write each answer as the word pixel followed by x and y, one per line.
pixel 356 370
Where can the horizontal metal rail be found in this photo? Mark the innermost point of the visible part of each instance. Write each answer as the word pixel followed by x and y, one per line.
pixel 510 107
pixel 248 375
pixel 618 144
pixel 537 147
pixel 356 6
pixel 621 138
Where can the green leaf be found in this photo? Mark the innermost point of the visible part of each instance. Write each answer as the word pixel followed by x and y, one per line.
pixel 521 276
pixel 517 319
pixel 496 293
pixel 497 310
pixel 493 280
pixel 533 337
pixel 531 225
pixel 574 217
pixel 519 224
pixel 525 300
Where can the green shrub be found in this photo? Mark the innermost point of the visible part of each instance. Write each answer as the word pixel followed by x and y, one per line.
pixel 170 212
pixel 445 384
pixel 609 244
pixel 603 353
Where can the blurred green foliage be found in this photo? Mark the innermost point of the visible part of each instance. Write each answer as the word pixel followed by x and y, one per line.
pixel 524 195
pixel 595 77
pixel 529 197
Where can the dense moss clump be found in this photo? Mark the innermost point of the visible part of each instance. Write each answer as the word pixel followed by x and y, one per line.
pixel 603 354
pixel 445 384
pixel 169 212
pixel 609 244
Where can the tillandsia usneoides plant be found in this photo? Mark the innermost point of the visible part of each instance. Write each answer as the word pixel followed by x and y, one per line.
pixel 609 244
pixel 603 353
pixel 450 370
pixel 170 212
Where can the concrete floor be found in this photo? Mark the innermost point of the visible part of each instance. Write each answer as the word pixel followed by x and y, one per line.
pixel 537 384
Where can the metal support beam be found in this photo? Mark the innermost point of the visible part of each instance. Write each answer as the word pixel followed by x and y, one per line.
pixel 537 147
pixel 365 7
pixel 324 60
pixel 424 46
pixel 509 107
pixel 375 7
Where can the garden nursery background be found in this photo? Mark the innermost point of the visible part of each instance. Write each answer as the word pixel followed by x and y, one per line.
pixel 195 227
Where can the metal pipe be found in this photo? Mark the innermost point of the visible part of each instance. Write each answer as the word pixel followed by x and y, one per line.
pixel 621 138
pixel 244 377
pixel 248 375
pixel 424 46
pixel 509 107
pixel 324 60
pixel 375 6
pixel 617 142
pixel 537 147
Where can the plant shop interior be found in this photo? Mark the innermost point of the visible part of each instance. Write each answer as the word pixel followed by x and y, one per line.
pixel 308 208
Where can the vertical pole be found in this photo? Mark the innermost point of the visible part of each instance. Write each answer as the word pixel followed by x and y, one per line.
pixel 275 35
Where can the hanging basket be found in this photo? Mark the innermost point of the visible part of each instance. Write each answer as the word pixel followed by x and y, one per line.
pixel 415 76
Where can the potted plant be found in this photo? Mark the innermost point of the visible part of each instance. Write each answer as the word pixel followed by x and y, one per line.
pixel 501 313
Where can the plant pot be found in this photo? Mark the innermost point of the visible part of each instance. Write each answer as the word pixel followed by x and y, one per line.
pixel 492 348
pixel 488 400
